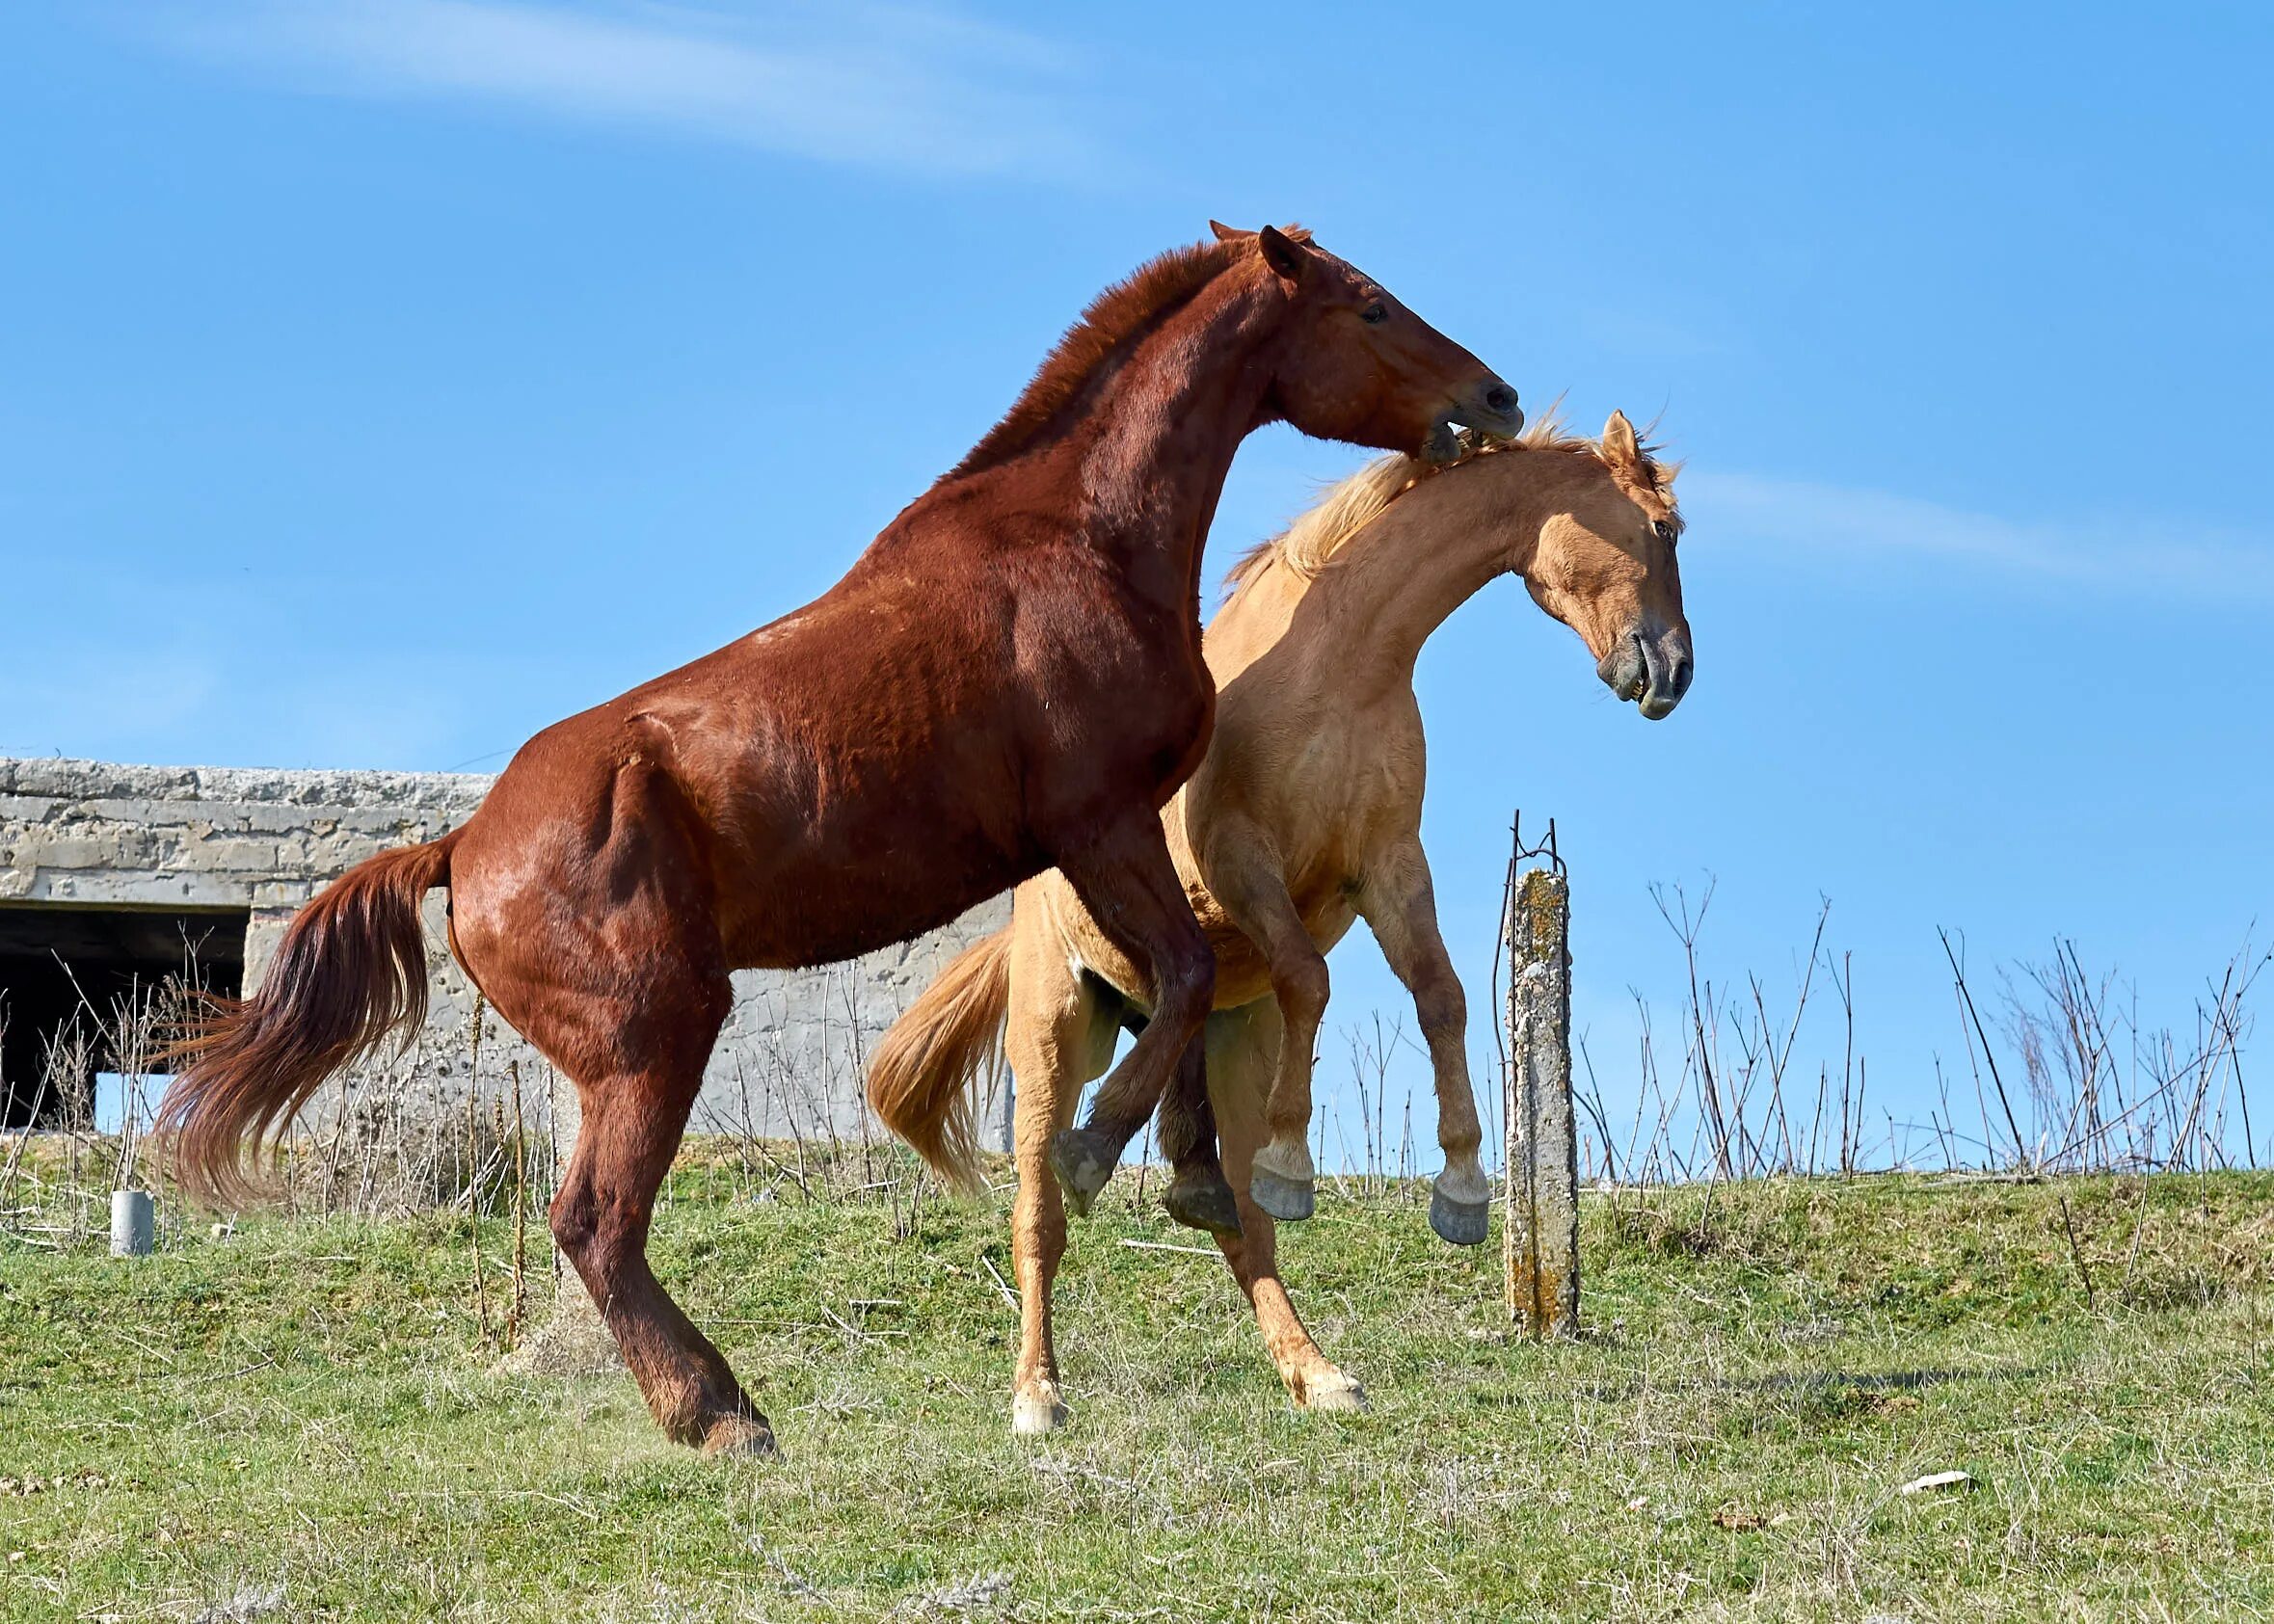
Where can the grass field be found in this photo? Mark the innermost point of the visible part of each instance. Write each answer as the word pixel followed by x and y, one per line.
pixel 297 1419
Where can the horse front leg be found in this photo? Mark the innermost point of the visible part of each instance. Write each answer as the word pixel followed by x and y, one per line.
pixel 1130 885
pixel 1247 877
pixel 1400 905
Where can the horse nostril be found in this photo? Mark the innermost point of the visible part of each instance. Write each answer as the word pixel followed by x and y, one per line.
pixel 1500 398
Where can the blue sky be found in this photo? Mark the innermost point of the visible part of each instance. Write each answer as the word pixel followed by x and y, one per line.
pixel 381 380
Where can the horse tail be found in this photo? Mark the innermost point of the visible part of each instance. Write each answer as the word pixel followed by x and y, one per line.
pixel 351 968
pixel 924 1073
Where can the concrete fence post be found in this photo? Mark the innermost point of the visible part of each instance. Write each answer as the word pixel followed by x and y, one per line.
pixel 1540 1238
pixel 134 1223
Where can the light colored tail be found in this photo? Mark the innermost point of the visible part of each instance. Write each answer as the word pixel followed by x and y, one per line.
pixel 926 1069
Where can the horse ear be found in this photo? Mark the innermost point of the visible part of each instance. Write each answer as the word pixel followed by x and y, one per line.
pixel 1620 445
pixel 1225 233
pixel 1284 255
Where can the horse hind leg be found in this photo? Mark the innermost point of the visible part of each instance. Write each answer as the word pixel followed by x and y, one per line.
pixel 1057 1036
pixel 628 1009
pixel 1243 1048
pixel 633 1121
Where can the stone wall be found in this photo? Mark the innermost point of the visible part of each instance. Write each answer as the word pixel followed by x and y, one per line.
pixel 95 834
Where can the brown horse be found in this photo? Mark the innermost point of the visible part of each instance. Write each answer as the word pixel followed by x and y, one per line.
pixel 1304 817
pixel 1009 680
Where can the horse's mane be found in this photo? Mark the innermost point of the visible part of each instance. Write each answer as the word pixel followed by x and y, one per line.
pixel 1129 307
pixel 1309 544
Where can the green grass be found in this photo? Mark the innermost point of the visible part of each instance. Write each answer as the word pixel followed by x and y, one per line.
pixel 307 1406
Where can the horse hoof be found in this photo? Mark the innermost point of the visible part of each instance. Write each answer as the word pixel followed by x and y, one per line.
pixel 740 1435
pixel 1334 1393
pixel 1032 1415
pixel 1288 1200
pixel 1464 1223
pixel 1082 1161
pixel 1203 1202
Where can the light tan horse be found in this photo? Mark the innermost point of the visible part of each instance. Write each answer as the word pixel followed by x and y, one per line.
pixel 1305 816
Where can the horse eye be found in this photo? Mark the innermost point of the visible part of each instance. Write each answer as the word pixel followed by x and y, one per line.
pixel 1664 528
pixel 1375 314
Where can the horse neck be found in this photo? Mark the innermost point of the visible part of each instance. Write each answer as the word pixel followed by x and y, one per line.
pixel 1158 441
pixel 1389 587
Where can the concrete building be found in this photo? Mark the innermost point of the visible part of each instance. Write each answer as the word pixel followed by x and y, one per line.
pixel 114 877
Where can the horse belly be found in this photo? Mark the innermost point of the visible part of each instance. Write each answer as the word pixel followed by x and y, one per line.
pixel 831 911
pixel 823 876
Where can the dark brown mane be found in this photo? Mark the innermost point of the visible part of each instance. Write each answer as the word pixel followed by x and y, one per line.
pixel 1123 312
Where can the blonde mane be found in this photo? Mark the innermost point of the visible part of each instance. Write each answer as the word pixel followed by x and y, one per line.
pixel 1309 544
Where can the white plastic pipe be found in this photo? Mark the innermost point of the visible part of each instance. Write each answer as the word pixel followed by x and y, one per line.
pixel 134 1223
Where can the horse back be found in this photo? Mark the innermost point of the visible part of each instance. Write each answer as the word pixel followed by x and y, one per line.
pixel 921 737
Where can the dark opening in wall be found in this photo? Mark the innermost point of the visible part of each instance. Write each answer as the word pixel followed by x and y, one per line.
pixel 67 969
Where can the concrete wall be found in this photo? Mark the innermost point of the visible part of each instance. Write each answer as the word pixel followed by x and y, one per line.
pixel 98 834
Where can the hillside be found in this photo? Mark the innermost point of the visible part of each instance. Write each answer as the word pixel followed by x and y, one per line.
pixel 296 1420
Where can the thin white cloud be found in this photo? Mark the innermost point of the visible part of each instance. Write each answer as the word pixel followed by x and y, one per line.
pixel 1833 522
pixel 889 86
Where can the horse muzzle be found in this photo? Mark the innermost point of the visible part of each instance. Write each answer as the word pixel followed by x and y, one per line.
pixel 1489 410
pixel 1653 672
